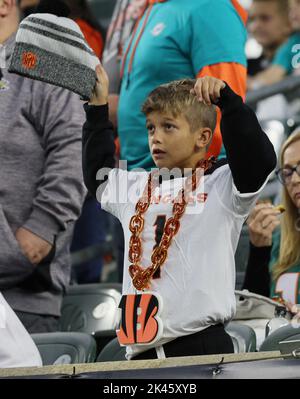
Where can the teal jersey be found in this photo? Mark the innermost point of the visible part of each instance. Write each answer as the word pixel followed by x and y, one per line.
pixel 287 55
pixel 180 38
pixel 287 286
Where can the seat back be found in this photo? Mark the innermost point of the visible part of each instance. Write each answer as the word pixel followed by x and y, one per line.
pixel 65 348
pixel 243 337
pixel 290 332
pixel 90 308
pixel 112 352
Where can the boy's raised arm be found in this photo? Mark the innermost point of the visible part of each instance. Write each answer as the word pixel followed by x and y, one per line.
pixel 98 146
pixel 250 153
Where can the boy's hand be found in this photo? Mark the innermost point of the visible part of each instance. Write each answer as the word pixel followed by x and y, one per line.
pixel 100 92
pixel 262 221
pixel 208 89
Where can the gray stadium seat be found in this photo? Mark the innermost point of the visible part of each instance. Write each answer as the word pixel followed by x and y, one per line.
pixel 286 333
pixel 112 352
pixel 93 309
pixel 243 337
pixel 65 348
pixel 90 308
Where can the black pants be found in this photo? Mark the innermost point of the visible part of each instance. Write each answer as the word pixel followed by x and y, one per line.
pixel 211 341
pixel 35 323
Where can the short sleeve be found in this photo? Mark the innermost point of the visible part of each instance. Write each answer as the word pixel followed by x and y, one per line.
pixel 217 35
pixel 239 204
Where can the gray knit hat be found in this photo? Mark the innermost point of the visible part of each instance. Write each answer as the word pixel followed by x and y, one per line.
pixel 53 49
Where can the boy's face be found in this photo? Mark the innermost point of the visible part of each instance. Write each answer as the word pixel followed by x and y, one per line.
pixel 294 14
pixel 267 24
pixel 171 142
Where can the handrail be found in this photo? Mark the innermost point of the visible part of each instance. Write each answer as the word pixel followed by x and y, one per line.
pixel 285 86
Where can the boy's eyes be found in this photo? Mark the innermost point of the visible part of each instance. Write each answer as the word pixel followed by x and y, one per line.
pixel 150 128
pixel 169 126
pixel 166 126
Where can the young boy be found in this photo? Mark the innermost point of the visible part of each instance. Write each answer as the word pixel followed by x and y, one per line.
pixel 179 274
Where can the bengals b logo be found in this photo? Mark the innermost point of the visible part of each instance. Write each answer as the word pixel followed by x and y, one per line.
pixel 140 323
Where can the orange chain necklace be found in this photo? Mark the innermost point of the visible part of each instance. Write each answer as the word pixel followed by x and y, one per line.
pixel 141 278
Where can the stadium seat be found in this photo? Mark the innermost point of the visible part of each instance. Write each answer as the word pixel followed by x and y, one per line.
pixel 112 352
pixel 65 348
pixel 243 337
pixel 286 333
pixel 92 308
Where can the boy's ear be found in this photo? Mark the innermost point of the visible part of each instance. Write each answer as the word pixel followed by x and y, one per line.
pixel 204 136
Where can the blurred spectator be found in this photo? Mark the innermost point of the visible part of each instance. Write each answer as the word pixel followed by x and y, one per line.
pixel 125 15
pixel 174 40
pixel 80 13
pixel 274 262
pixel 286 59
pixel 41 187
pixel 269 26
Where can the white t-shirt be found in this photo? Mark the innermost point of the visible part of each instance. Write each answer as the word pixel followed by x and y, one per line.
pixel 17 348
pixel 197 280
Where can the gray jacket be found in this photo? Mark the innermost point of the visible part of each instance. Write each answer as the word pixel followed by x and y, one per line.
pixel 41 186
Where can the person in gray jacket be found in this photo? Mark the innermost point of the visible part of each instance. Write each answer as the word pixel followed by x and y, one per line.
pixel 41 187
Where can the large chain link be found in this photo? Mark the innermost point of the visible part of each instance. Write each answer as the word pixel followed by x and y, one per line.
pixel 141 278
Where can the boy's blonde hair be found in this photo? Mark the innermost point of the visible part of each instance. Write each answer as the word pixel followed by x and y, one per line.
pixel 175 98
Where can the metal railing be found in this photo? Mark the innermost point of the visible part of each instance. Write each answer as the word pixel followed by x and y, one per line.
pixel 287 87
